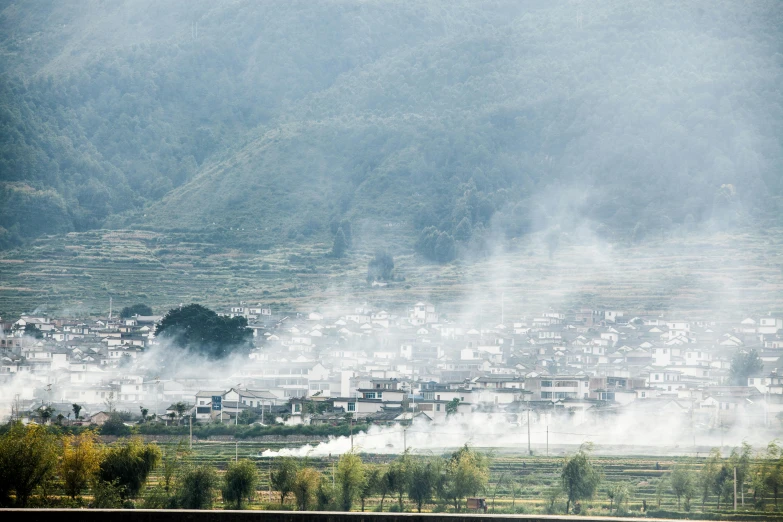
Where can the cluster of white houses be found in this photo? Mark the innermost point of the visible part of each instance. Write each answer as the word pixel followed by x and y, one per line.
pixel 386 367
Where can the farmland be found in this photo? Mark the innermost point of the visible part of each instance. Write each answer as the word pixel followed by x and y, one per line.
pixel 708 275
pixel 517 483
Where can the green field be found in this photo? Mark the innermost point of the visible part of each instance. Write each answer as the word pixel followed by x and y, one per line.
pixel 518 483
pixel 716 275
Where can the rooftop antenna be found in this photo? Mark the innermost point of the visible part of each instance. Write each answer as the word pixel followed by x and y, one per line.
pixel 110 304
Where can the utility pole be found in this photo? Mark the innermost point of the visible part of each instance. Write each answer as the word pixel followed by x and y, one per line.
pixel 735 488
pixel 547 441
pixel 110 306
pixel 190 422
pixel 529 451
pixel 236 428
pixel 351 434
pixel 404 441
pixel 502 307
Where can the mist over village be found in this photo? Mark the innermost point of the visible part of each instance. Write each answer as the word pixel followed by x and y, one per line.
pixel 514 258
pixel 610 376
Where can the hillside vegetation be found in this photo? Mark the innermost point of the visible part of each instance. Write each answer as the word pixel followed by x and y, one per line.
pixel 259 123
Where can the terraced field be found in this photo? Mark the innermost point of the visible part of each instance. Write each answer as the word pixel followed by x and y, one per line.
pixel 75 274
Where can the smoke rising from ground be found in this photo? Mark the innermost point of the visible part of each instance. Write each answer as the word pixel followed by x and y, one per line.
pixel 615 434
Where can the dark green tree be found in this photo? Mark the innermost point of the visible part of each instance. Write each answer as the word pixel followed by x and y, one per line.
pixel 340 244
pixel 372 485
pixel 398 476
pixel 28 458
pixel 445 248
pixel 466 474
pixel 137 309
pixel 579 478
pixel 350 479
pixel 202 331
pixel 683 484
pixel 196 487
pixel 114 425
pixel 423 480
pixel 33 331
pixel 743 365
pixel 128 465
pixel 452 406
pixel 283 476
pixel 381 267
pixel 239 483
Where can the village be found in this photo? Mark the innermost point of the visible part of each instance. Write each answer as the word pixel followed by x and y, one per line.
pixel 377 367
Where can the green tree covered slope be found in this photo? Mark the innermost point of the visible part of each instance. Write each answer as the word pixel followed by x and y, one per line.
pixel 499 118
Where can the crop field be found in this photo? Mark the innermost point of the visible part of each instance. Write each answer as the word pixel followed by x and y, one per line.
pixel 518 483
pixel 75 274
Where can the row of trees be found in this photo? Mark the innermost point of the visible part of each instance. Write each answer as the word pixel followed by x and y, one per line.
pixel 35 460
pixel 762 476
pixel 421 479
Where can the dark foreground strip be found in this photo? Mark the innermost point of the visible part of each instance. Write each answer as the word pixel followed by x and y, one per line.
pixel 153 515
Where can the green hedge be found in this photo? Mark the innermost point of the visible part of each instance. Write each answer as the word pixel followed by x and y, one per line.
pixel 245 432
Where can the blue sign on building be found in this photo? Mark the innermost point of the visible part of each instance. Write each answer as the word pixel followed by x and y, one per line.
pixel 217 402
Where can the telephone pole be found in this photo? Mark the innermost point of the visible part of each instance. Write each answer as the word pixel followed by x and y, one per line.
pixel 735 488
pixel 529 451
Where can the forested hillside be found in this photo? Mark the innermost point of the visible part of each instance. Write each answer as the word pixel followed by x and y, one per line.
pixel 454 121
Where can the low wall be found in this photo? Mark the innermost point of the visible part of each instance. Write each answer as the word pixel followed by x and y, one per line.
pixel 145 515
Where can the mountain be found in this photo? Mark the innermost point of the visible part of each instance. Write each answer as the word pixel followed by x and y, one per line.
pixel 262 123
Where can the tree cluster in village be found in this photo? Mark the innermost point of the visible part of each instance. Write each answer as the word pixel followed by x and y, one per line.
pixel 200 330
pixel 137 309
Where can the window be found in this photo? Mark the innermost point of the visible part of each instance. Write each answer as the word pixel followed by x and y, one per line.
pixel 644 394
pixel 437 407
pixel 351 406
pixel 657 377
pixel 369 395
pixel 546 384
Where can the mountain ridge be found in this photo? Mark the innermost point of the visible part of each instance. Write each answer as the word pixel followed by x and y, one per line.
pixel 494 122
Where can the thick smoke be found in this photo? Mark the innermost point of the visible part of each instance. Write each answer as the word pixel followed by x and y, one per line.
pixel 614 434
